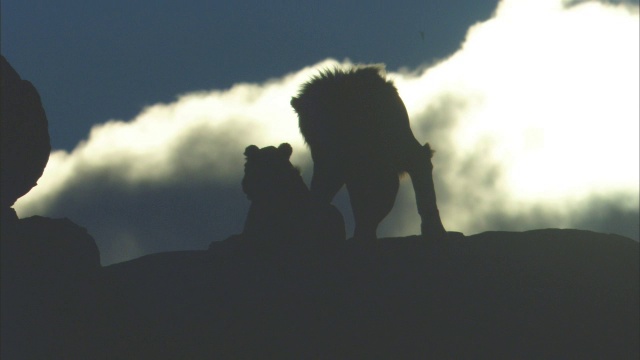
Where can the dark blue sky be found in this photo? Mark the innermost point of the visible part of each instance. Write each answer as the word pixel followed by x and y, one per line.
pixel 95 61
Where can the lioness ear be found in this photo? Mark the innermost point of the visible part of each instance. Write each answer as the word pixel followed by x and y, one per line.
pixel 251 151
pixel 286 150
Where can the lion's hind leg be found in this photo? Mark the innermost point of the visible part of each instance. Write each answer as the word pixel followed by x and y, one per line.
pixel 372 195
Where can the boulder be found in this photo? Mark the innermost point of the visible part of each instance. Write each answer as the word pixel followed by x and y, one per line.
pixel 25 136
pixel 50 267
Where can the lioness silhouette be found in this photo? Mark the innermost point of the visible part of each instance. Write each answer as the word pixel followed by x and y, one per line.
pixel 281 209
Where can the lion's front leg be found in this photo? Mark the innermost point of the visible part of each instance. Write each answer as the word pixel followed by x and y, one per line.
pixel 421 172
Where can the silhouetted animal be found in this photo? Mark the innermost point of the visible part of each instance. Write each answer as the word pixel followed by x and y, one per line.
pixel 357 128
pixel 281 207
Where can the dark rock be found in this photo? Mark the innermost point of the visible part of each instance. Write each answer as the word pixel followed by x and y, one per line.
pixel 25 136
pixel 538 294
pixel 54 246
pixel 53 296
pixel 50 281
pixel 532 295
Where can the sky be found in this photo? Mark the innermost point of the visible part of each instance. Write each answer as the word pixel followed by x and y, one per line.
pixel 531 105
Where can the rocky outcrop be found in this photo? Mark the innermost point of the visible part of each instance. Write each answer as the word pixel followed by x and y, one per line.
pixel 50 279
pixel 542 294
pixel 25 136
pixel 50 267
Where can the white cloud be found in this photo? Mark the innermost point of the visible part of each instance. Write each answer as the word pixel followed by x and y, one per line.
pixel 554 92
pixel 144 149
pixel 538 109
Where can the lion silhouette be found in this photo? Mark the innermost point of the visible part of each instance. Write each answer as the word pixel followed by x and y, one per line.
pixel 358 131
pixel 281 210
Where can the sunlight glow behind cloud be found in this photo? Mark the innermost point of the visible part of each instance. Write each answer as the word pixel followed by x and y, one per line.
pixel 536 114
pixel 559 94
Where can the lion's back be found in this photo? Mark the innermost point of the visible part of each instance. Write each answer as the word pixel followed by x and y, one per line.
pixel 357 113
